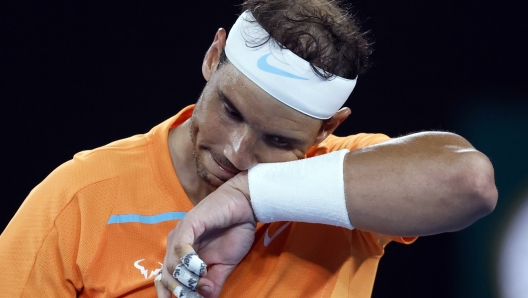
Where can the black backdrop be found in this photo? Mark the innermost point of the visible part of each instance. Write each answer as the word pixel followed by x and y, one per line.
pixel 77 76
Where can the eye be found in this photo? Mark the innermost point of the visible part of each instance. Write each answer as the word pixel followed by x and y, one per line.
pixel 279 142
pixel 232 113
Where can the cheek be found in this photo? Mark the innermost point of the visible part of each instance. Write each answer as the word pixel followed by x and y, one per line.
pixel 211 131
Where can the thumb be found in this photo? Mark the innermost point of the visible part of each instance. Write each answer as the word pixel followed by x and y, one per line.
pixel 161 290
pixel 217 275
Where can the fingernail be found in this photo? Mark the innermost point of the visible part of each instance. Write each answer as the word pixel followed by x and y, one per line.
pixel 206 289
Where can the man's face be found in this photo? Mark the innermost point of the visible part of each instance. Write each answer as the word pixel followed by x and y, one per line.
pixel 236 125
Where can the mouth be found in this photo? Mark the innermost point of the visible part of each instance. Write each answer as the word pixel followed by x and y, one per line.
pixel 230 170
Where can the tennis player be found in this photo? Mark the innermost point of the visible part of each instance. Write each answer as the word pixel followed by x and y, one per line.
pixel 266 201
pixel 267 91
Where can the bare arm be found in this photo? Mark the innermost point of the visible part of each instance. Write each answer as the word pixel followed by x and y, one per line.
pixel 421 184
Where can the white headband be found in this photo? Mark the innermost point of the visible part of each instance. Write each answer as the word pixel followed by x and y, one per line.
pixel 282 74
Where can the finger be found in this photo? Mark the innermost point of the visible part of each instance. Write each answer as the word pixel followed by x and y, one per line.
pixel 161 290
pixel 176 251
pixel 168 282
pixel 184 292
pixel 191 280
pixel 217 276
pixel 166 286
pixel 193 262
pixel 185 276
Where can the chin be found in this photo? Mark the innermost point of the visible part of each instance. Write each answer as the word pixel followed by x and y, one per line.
pixel 204 174
pixel 210 179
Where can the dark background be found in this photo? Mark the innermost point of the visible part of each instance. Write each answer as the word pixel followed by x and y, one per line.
pixel 77 76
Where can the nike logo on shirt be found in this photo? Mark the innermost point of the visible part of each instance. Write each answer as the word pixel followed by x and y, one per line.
pixel 263 64
pixel 268 239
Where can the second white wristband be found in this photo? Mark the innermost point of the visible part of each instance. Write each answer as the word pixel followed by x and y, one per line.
pixel 308 190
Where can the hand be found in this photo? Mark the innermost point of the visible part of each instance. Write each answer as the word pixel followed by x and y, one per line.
pixel 220 229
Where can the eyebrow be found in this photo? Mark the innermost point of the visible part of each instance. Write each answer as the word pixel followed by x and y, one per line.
pixel 228 102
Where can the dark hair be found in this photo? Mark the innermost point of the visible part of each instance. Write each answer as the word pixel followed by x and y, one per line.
pixel 321 32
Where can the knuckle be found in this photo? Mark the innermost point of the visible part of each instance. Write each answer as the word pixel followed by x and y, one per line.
pixel 180 249
pixel 164 282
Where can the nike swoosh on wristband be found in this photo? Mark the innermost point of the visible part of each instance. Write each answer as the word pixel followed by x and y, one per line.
pixel 263 64
pixel 267 239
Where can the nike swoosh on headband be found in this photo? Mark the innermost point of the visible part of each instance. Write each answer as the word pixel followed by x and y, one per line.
pixel 262 63
pixel 268 239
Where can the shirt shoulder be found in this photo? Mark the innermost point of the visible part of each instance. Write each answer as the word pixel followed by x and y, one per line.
pixel 351 142
pixel 63 231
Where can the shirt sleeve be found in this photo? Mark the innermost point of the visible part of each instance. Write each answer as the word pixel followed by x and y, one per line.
pixel 38 247
pixel 352 142
pixel 54 235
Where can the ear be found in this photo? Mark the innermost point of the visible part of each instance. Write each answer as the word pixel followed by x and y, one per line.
pixel 212 56
pixel 332 124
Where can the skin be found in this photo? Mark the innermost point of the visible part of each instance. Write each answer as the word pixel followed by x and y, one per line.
pixel 420 184
pixel 236 125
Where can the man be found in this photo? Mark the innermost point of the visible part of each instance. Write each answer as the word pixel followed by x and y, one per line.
pixel 96 227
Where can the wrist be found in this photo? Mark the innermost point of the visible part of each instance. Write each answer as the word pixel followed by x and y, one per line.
pixel 238 190
pixel 309 190
pixel 240 184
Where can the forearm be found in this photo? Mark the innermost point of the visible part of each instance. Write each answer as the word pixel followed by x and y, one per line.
pixel 421 184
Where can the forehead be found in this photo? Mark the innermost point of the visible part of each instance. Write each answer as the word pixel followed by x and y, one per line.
pixel 257 106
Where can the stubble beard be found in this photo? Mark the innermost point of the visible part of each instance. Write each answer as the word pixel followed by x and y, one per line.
pixel 198 157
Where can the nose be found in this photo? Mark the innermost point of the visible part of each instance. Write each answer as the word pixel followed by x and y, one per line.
pixel 240 148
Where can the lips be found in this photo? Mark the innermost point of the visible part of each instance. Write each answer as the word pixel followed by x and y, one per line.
pixel 229 169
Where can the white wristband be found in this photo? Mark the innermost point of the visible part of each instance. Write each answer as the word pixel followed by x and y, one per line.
pixel 309 190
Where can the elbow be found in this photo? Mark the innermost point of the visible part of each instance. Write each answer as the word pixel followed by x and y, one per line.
pixel 479 184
